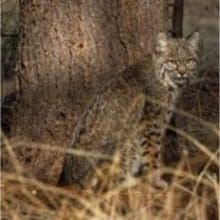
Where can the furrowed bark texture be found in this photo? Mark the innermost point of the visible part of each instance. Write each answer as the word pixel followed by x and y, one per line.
pixel 66 50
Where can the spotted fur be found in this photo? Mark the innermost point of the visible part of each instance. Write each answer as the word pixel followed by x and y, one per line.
pixel 130 115
pixel 175 64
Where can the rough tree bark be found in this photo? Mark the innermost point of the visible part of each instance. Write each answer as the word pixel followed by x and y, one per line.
pixel 66 49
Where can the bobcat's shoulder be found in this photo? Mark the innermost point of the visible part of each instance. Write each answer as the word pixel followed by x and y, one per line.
pixel 130 114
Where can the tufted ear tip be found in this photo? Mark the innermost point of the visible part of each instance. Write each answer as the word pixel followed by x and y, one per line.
pixel 194 39
pixel 161 42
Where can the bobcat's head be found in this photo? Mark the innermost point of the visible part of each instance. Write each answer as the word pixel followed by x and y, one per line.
pixel 176 60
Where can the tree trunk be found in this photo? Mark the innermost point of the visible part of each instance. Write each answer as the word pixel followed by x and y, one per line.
pixel 66 50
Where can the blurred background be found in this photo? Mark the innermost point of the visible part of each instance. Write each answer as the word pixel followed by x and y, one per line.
pixel 204 14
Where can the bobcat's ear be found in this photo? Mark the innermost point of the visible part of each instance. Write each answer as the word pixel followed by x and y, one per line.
pixel 194 39
pixel 161 42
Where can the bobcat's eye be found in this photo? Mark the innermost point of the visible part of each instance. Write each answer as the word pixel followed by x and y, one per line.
pixel 191 64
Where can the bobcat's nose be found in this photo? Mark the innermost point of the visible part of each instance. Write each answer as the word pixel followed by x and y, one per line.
pixel 181 70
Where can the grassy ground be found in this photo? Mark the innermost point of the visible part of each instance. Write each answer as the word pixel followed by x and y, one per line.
pixel 193 193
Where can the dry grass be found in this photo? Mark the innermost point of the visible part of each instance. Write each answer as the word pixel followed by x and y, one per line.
pixel 191 194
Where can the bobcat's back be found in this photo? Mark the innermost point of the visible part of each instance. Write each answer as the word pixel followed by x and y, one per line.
pixel 130 115
pixel 111 117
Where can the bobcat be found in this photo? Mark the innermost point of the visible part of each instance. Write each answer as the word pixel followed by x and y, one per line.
pixel 131 114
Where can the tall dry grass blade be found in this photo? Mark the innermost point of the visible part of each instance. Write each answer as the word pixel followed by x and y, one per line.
pixel 199 145
pixel 19 170
pixel 199 120
pixel 56 148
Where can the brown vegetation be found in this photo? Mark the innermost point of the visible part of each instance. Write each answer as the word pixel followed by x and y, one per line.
pixel 193 191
